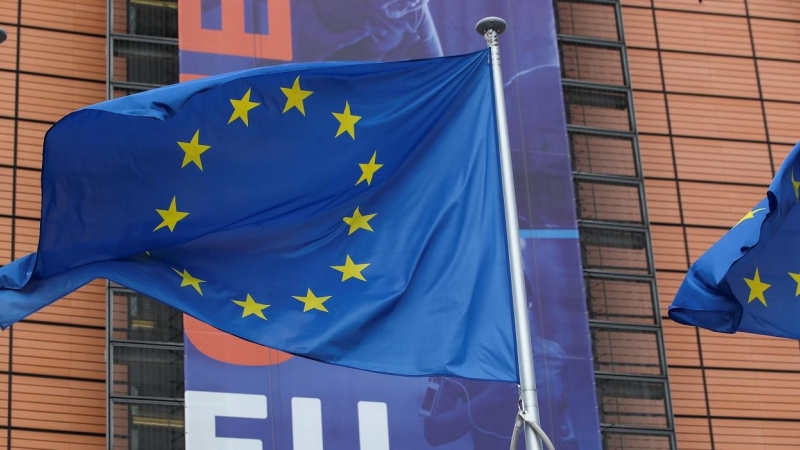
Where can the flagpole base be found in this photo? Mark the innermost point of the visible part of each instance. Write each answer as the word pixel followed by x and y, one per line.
pixel 491 23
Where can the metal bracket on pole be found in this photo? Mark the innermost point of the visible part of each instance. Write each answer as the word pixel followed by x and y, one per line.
pixel 490 28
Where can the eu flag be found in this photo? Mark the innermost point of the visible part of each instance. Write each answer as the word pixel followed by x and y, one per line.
pixel 750 279
pixel 350 213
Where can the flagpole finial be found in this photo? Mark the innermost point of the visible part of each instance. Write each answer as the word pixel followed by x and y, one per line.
pixel 491 23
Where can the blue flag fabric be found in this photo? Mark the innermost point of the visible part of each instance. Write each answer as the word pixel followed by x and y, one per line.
pixel 349 213
pixel 750 279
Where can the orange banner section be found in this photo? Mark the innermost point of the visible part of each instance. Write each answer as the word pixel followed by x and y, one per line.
pixel 232 38
pixel 228 348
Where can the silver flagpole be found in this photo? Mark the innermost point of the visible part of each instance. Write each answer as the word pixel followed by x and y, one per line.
pixel 490 28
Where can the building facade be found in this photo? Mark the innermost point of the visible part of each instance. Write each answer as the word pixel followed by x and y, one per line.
pixel 679 113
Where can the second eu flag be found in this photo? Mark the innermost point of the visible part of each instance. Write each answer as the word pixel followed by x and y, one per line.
pixel 348 213
pixel 750 279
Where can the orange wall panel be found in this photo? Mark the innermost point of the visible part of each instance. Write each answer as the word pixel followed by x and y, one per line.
pixel 30 141
pixel 3 353
pixel 67 405
pixel 639 27
pixel 50 99
pixel 29 193
pixel 683 31
pixel 668 284
pixel 681 344
pixel 735 7
pixel 59 350
pixel 782 120
pixel 662 201
pixel 722 161
pixel 758 395
pixel 644 69
pixel 26 237
pixel 718 205
pixel 779 153
pixel 776 39
pixel 82 16
pixel 688 392
pixel 5 240
pixel 779 79
pixel 656 156
pixel 776 9
pixel 8 51
pixel 643 3
pixel 692 433
pixel 669 251
pixel 6 189
pixel 722 118
pixel 38 440
pixel 651 112
pixel 4 400
pixel 7 141
pixel 749 351
pixel 732 434
pixel 8 11
pixel 120 16
pixel 7 87
pixel 63 54
pixel 705 74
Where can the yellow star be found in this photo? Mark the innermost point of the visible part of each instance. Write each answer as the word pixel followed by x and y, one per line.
pixel 749 215
pixel 311 301
pixel 249 306
pixel 347 121
pixel 295 97
pixel 796 186
pixel 757 289
pixel 189 280
pixel 170 216
pixel 369 169
pixel 359 221
pixel 193 150
pixel 351 270
pixel 796 278
pixel 241 108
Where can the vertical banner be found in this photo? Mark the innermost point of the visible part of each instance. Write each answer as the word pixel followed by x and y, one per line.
pixel 246 397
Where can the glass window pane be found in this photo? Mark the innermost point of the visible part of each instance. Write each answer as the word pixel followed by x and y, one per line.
pixel 614 250
pixel 630 441
pixel 620 300
pixel 139 426
pixel 632 403
pixel 146 17
pixel 634 352
pixel 140 318
pixel 145 62
pixel 147 372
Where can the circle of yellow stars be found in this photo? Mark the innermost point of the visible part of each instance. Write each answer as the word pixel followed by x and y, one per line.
pixel 193 149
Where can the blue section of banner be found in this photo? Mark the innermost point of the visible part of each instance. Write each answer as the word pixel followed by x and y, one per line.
pixel 212 15
pixel 256 17
pixel 309 403
pixel 548 234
